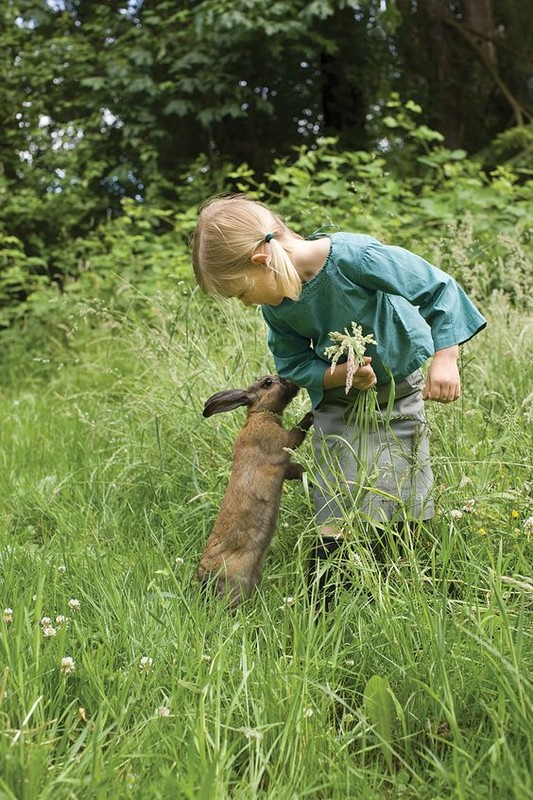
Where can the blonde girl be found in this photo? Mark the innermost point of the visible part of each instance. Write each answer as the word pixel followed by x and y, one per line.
pixel 310 287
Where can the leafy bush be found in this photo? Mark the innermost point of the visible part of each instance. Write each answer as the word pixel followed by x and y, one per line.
pixel 412 192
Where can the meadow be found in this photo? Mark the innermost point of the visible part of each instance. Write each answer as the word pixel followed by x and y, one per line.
pixel 118 679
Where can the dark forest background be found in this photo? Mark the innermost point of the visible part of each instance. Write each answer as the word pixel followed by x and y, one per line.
pixel 144 107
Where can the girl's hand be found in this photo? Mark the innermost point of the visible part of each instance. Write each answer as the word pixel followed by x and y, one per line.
pixel 443 383
pixel 364 377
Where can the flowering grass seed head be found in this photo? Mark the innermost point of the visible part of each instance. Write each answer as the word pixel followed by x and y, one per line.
pixel 352 346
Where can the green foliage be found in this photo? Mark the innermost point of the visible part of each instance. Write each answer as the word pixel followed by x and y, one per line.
pixel 473 224
pixel 101 101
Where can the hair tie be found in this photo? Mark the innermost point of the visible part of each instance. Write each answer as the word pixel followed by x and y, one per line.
pixel 269 237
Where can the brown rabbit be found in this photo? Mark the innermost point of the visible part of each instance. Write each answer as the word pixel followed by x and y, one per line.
pixel 243 530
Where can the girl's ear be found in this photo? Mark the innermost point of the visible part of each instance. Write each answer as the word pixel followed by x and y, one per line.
pixel 260 259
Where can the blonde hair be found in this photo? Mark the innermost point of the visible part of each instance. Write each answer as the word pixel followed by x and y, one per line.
pixel 230 228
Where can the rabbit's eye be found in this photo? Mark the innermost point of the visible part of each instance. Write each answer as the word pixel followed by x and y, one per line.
pixel 268 383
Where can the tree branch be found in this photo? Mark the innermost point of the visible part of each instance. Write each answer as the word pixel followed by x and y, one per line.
pixel 520 112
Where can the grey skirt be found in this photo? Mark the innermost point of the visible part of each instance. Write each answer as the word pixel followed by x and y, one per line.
pixel 372 457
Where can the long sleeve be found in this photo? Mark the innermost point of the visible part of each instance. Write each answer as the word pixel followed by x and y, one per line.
pixel 440 300
pixel 293 355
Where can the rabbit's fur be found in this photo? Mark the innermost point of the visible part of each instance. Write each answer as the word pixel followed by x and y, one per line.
pixel 243 530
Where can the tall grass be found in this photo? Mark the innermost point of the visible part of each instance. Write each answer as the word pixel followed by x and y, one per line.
pixel 109 483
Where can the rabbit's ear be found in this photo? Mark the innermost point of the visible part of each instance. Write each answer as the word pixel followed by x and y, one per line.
pixel 227 401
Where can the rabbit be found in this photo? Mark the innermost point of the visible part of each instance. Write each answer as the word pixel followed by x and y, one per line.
pixel 243 530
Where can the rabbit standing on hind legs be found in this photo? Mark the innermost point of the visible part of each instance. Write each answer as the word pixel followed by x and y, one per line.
pixel 245 525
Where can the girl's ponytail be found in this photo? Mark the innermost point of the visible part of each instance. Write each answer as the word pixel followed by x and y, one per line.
pixel 287 278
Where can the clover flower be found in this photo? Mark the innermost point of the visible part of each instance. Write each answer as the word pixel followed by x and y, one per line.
pixel 528 526
pixel 68 665
pixel 352 346
pixel 8 615
pixel 162 711
pixel 49 631
pixel 145 664
pixel 74 604
pixel 469 506
pixel 61 619
pixel 456 513
pixel 288 602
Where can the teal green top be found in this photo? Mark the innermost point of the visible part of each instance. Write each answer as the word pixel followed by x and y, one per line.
pixel 409 306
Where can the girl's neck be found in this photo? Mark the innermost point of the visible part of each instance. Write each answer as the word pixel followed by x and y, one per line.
pixel 309 255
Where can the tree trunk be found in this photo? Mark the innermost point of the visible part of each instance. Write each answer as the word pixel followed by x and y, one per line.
pixel 441 45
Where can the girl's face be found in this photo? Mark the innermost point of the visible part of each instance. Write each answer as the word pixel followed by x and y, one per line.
pixel 259 288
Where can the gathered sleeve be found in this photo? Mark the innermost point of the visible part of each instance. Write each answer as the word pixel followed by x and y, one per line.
pixel 440 300
pixel 294 357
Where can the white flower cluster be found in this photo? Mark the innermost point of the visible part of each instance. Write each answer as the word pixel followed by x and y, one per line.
pixel 352 346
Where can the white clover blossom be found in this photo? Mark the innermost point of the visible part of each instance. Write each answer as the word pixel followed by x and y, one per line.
pixel 162 711
pixel 179 561
pixel 469 506
pixel 528 526
pixel 74 604
pixel 68 665
pixel 352 346
pixel 49 631
pixel 45 621
pixel 288 602
pixel 145 664
pixel 61 619
pixel 8 615
pixel 456 513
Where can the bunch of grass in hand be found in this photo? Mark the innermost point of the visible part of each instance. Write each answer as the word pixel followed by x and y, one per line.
pixel 353 347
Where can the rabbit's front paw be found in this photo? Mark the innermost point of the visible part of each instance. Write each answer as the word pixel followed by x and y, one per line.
pixel 307 421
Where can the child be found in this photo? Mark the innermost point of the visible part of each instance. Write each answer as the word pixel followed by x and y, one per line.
pixel 308 288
